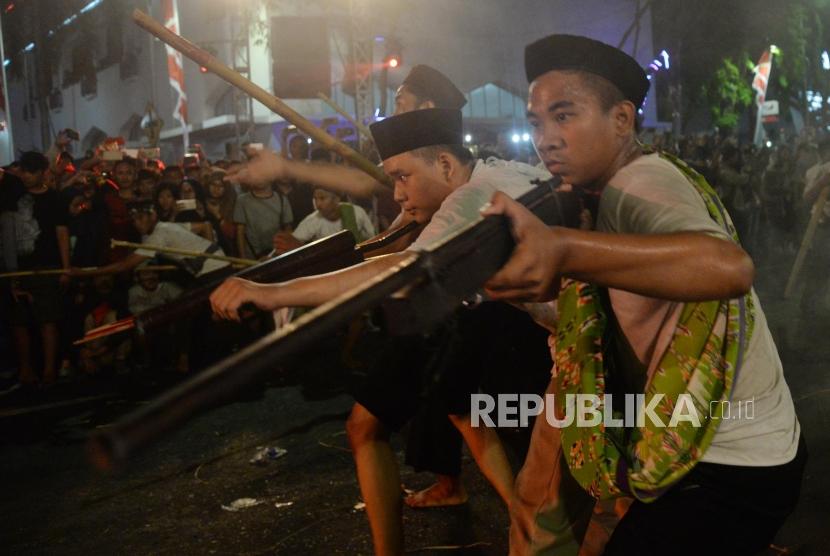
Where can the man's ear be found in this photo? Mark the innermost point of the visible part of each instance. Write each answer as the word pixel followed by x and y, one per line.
pixel 625 117
pixel 426 104
pixel 448 166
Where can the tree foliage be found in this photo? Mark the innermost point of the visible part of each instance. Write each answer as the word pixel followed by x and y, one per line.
pixel 710 41
pixel 728 93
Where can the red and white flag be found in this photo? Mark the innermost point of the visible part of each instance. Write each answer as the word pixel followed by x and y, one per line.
pixel 761 79
pixel 175 68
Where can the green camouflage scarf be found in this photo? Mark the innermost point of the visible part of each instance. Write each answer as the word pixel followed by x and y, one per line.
pixel 702 361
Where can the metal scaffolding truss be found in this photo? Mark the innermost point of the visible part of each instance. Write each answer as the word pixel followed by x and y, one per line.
pixel 243 108
pixel 362 59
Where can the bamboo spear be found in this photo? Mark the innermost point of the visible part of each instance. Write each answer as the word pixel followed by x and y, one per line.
pixel 342 111
pixel 185 252
pixel 206 60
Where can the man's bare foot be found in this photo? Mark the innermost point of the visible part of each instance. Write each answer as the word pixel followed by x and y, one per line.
pixel 448 491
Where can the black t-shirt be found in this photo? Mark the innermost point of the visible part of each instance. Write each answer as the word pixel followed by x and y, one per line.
pixel 11 190
pixel 50 213
pixel 301 199
pixel 91 247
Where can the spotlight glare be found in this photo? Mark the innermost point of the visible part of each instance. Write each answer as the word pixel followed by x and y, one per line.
pixel 468 138
pixel 515 138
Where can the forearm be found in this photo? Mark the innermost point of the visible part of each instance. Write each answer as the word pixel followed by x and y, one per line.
pixel 316 290
pixel 341 179
pixel 679 267
pixel 241 243
pixel 8 239
pixel 63 245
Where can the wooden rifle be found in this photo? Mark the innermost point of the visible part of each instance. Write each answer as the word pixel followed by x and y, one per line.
pixel 436 282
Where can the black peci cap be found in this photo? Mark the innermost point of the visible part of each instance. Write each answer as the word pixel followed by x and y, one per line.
pixel 414 130
pixel 429 83
pixel 572 52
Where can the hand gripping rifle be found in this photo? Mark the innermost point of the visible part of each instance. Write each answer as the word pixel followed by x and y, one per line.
pixel 437 281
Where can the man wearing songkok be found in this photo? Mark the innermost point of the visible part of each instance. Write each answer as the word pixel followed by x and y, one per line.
pixel 423 87
pixel 436 180
pixel 656 300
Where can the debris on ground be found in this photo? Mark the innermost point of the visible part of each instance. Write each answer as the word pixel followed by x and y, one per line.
pixel 241 504
pixel 264 454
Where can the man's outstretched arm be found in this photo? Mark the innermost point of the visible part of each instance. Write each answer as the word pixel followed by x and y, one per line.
pixel 267 166
pixel 301 292
pixel 681 267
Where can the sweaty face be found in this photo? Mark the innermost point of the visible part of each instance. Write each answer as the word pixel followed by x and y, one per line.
pixel 145 188
pixel 124 175
pixel 166 200
pixel 32 179
pixel 186 191
pixel 216 189
pixel 420 186
pixel 149 279
pixel 574 137
pixel 144 222
pixel 328 204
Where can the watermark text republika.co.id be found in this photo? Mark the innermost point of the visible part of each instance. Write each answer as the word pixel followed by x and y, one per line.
pixel 589 410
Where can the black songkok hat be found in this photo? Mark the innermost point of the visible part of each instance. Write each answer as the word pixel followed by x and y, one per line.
pixel 429 83
pixel 571 52
pixel 413 130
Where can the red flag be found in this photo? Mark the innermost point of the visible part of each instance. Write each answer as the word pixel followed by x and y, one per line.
pixel 761 79
pixel 175 68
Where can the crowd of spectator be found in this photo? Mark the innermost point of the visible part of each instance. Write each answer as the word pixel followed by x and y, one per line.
pixel 60 214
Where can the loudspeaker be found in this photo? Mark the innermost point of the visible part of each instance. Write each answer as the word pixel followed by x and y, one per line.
pixel 301 56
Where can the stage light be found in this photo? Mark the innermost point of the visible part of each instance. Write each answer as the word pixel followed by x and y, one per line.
pixel 515 138
pixel 393 62
pixel 468 138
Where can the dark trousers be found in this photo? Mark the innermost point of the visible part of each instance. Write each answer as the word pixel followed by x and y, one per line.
pixel 715 509
pixel 496 347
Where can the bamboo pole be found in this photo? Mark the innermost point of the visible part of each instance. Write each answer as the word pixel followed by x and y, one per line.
pixel 206 60
pixel 185 252
pixel 48 271
pixel 44 272
pixel 809 234
pixel 342 111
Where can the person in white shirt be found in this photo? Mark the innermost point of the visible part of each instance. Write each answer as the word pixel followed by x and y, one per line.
pixel 163 234
pixel 331 216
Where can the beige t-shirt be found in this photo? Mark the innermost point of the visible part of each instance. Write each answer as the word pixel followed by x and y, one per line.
pixel 651 196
